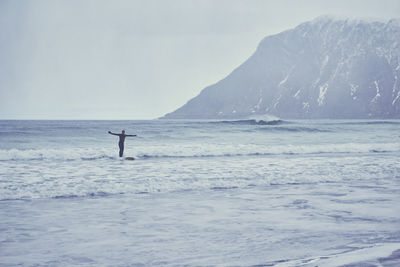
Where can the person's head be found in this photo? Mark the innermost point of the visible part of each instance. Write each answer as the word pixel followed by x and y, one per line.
pixel 123 131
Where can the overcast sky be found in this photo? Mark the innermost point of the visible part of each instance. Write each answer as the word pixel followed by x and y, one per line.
pixel 81 59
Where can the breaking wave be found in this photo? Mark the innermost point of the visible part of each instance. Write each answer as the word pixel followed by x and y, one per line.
pixel 295 129
pixel 253 122
pixel 53 154
pixel 197 151
pixel 350 148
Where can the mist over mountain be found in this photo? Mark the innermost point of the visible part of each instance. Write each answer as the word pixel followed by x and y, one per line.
pixel 325 68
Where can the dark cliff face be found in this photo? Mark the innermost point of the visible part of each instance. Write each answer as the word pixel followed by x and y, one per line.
pixel 325 68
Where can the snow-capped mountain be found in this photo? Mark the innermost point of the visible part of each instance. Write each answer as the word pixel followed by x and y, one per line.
pixel 325 68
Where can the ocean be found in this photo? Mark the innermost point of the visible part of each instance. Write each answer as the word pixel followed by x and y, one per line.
pixel 200 193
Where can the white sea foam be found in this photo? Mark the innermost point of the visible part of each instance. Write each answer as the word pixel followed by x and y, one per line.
pixel 196 150
pixel 361 256
pixel 53 154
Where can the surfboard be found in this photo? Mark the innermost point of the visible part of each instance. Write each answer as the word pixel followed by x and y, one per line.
pixel 129 158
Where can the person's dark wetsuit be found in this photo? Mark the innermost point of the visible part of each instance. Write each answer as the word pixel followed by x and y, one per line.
pixel 121 141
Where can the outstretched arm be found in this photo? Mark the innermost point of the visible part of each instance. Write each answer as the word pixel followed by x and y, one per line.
pixel 131 135
pixel 112 133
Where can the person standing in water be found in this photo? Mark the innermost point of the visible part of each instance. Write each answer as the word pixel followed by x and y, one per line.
pixel 121 141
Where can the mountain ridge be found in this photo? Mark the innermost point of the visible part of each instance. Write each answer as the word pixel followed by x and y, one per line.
pixel 324 68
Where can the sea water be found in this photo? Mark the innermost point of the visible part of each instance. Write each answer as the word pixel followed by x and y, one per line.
pixel 200 193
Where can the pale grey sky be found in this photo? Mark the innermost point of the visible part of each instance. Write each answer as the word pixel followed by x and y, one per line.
pixel 138 59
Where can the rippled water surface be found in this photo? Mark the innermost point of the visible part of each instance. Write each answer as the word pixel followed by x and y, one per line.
pixel 200 193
